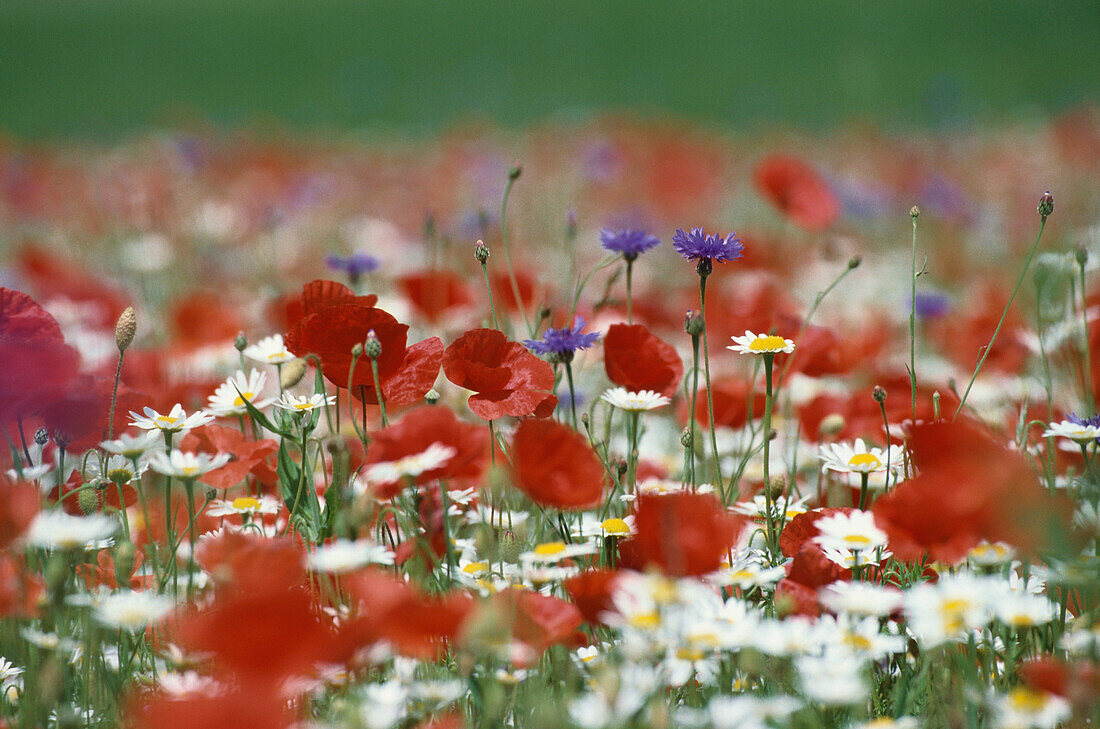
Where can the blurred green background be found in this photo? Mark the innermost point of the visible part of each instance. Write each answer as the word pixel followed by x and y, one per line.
pixel 105 68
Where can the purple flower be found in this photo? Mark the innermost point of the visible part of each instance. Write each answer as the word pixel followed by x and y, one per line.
pixel 560 344
pixel 697 246
pixel 1078 420
pixel 628 241
pixel 354 265
pixel 931 304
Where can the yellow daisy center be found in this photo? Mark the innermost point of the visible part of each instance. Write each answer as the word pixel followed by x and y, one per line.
pixel 239 400
pixel 645 620
pixel 864 459
pixel 690 654
pixel 1027 700
pixel 165 420
pixel 549 548
pixel 189 470
pixel 767 344
pixel 588 659
pixel 245 503
pixel 476 568
pixel 615 526
pixel 858 539
pixel 857 641
pixel 303 405
pixel 743 575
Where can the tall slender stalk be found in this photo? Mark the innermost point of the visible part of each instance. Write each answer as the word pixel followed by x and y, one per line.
pixel 771 537
pixel 710 391
pixel 914 213
pixel 513 175
pixel 1082 259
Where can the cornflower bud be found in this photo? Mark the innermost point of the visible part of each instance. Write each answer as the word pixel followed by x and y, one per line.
pixel 914 212
pixel 1046 204
pixel 41 436
pixel 62 438
pixel 879 393
pixel 515 172
pixel 241 342
pixel 481 252
pixel 1081 254
pixel 432 396
pixel 693 323
pixel 372 347
pixel 686 438
pixel 125 328
pixel 854 261
pixel 704 267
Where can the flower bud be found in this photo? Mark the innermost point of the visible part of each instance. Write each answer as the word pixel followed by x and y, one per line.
pixel 292 373
pixel 241 342
pixel 515 172
pixel 914 212
pixel 481 252
pixel 124 561
pixel 879 393
pixel 1046 204
pixel 62 438
pixel 832 424
pixel 41 436
pixel 510 546
pixel 854 261
pixel 693 323
pixel 686 438
pixel 125 328
pixel 704 267
pixel 88 500
pixel 372 347
pixel 432 396
pixel 1081 254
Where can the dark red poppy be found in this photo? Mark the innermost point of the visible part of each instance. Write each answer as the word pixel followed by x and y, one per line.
pixel 637 360
pixel 247 456
pixel 505 377
pixel 811 568
pixel 435 293
pixel 794 598
pixel 683 534
pixel 316 295
pixel 968 488
pixel 555 466
pixel 797 190
pixel 79 413
pixel 251 564
pixel 591 592
pixel 418 430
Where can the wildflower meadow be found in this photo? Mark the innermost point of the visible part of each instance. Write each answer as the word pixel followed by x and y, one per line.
pixel 594 425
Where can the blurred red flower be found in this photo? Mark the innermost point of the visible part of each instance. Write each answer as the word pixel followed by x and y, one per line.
pixel 591 592
pixel 683 534
pixel 435 293
pixel 18 507
pixel 505 377
pixel 555 466
pixel 797 190
pixel 248 456
pixel 638 360
pixel 251 564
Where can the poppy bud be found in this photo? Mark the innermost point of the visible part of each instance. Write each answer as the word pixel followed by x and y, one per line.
pixel 241 342
pixel 832 424
pixel 211 494
pixel 879 394
pixel 1081 254
pixel 778 485
pixel 515 172
pixel 1046 204
pixel 544 313
pixel 41 436
pixel 88 500
pixel 481 252
pixel 914 212
pixel 62 438
pixel 854 261
pixel 125 328
pixel 686 438
pixel 693 323
pixel 372 347
pixel 292 373
pixel 124 561
pixel 704 267
pixel 510 546
pixel 431 397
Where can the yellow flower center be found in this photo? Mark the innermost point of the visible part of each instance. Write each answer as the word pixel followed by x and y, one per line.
pixel 645 620
pixel 589 658
pixel 165 420
pixel 615 526
pixel 767 344
pixel 246 503
pixel 475 568
pixel 549 548
pixel 857 539
pixel 239 400
pixel 301 406
pixel 861 460
pixel 857 641
pixel 189 470
pixel 743 575
pixel 1022 621
pixel 1028 700
pixel 690 654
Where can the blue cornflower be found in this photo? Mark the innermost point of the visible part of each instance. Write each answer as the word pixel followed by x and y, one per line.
pixel 1078 420
pixel 932 304
pixel 698 246
pixel 560 344
pixel 354 265
pixel 628 241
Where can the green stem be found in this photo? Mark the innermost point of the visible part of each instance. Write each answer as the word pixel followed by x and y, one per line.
pixel 629 290
pixel 913 323
pixel 710 394
pixel 114 398
pixel 1004 315
pixel 378 390
pixel 864 477
pixel 508 255
pixel 489 288
pixel 772 538
pixel 694 396
pixel 572 394
pixel 1085 341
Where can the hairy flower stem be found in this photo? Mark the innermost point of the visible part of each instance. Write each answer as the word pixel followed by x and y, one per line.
pixel 864 478
pixel 378 389
pixel 630 290
pixel 1085 340
pixel 1004 315
pixel 572 395
pixel 489 288
pixel 508 255
pixel 913 323
pixel 691 416
pixel 114 398
pixel 706 366
pixel 189 490
pixel 771 537
pixel 633 426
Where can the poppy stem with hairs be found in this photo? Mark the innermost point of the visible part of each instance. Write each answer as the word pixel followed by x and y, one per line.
pixel 690 445
pixel 378 390
pixel 706 368
pixel 572 394
pixel 629 290
pixel 1004 315
pixel 513 175
pixel 914 213
pixel 114 398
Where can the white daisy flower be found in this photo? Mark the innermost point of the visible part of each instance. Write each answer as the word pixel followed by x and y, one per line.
pixel 229 399
pixel 132 611
pixel 859 459
pixel 133 447
pixel 30 473
pixel 1079 433
pixel 434 456
pixel 58 530
pixel 886 722
pixel 1024 610
pixel 186 465
pixel 244 506
pixel 593 526
pixel 832 679
pixel 760 344
pixel 557 551
pixel 855 531
pixel 8 671
pixel 634 402
pixel 175 421
pixel 1024 708
pixel 949 609
pixel 304 403
pixel 989 554
pixel 269 350
pixel 861 599
pixel 346 556
pixel 747 573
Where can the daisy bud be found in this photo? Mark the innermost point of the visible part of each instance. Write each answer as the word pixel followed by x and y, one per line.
pixel 124 561
pixel 510 546
pixel 41 436
pixel 686 438
pixel 879 393
pixel 854 261
pixel 1081 254
pixel 1046 204
pixel 125 328
pixel 88 500
pixel 584 420
pixel 832 424
pixel 432 396
pixel 914 212
pixel 372 346
pixel 515 172
pixel 292 373
pixel 693 323
pixel 481 252
pixel 241 342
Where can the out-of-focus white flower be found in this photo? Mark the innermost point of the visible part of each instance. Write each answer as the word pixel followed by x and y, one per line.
pixel 434 456
pixel 269 350
pixel 1024 708
pixel 832 679
pixel 304 403
pixel 229 399
pixel 1079 433
pixel 988 554
pixel 244 506
pixel 58 530
pixel 751 712
pixel 347 556
pixel 949 609
pixel 132 611
pixel 557 551
pixel 854 531
pixel 861 599
pixel 175 421
pixel 179 464
pixel 635 402
pixel 133 447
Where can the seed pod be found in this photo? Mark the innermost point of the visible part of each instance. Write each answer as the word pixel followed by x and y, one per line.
pixel 292 373
pixel 125 329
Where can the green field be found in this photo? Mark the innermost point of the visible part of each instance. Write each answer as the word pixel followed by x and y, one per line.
pixel 101 68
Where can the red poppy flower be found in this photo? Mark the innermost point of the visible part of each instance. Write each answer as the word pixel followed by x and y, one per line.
pixel 18 507
pixel 256 705
pixel 682 533
pixel 506 378
pixel 106 572
pixel 248 456
pixel 731 403
pixel 315 296
pixel 80 412
pixel 537 620
pixel 964 332
pixel 203 318
pixel 798 191
pixel 434 293
pixel 637 360
pixel 968 488
pixel 811 568
pixel 418 430
pixel 52 276
pixel 794 598
pixel 591 592
pixel 20 588
pixel 251 564
pixel 803 528
pixel 555 466
pixel 530 292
